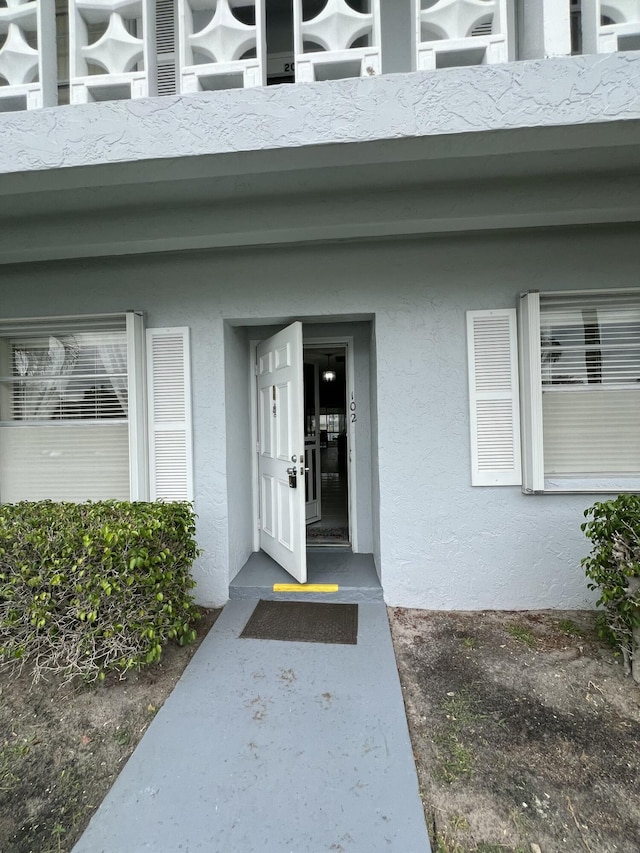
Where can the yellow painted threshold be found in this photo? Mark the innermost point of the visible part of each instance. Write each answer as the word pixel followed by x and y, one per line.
pixel 305 587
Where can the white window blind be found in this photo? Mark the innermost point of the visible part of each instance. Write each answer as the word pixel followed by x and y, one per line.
pixel 493 394
pixel 64 409
pixel 170 441
pixel 590 376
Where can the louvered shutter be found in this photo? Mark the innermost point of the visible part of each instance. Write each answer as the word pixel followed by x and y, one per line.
pixel 493 396
pixel 166 46
pixel 170 439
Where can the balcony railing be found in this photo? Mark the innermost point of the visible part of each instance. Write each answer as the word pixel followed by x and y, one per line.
pixel 610 25
pixel 120 49
pixel 462 32
pixel 27 54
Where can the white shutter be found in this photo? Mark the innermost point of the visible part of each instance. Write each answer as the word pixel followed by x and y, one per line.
pixel 165 22
pixel 170 440
pixel 493 398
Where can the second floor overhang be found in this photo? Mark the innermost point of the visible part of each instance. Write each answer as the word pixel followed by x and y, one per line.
pixel 561 92
pixel 529 144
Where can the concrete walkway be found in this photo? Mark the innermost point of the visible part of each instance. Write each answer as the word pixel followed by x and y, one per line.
pixel 275 747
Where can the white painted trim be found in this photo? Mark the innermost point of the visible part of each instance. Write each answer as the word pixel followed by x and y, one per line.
pixel 591 291
pixel 137 396
pixel 531 384
pixel 76 318
pixel 591 485
pixel 253 414
pixel 345 341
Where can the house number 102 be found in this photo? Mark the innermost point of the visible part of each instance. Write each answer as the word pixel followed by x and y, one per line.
pixel 352 409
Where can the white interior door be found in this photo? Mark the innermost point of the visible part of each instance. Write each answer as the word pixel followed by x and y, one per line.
pixel 281 450
pixel 312 442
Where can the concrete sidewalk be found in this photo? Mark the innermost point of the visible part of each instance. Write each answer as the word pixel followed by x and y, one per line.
pixel 272 746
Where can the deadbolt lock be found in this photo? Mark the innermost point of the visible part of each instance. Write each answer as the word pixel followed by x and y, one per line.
pixel 293 482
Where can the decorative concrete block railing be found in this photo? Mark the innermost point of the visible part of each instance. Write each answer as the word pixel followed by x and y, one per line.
pixel 337 42
pixel 461 32
pixel 122 49
pixel 222 44
pixel 28 55
pixel 610 25
pixel 544 28
pixel 111 50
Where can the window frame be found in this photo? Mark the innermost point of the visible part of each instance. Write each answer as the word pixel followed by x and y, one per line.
pixel 534 480
pixel 133 327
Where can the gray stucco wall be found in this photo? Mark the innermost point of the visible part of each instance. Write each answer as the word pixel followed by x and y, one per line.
pixel 442 543
pixel 238 449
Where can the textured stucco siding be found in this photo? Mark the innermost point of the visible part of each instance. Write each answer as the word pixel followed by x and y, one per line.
pixel 439 542
pixel 533 93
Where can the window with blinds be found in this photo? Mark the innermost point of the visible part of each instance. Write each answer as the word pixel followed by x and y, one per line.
pixel 590 377
pixel 64 410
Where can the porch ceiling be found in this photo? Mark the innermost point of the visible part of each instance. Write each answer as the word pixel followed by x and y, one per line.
pixel 530 177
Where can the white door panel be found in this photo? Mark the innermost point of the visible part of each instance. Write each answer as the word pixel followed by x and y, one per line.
pixel 281 450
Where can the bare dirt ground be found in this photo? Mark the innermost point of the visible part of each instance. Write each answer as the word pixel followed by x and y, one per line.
pixel 62 746
pixel 525 731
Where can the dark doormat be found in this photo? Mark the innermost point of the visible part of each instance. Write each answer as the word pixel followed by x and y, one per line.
pixel 327 534
pixel 303 622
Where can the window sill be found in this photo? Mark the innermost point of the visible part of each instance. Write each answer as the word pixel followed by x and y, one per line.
pixel 589 485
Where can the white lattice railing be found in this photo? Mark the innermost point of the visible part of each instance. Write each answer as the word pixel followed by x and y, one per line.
pixel 121 49
pixel 461 32
pixel 27 55
pixel 610 25
pixel 337 42
pixel 111 49
pixel 222 44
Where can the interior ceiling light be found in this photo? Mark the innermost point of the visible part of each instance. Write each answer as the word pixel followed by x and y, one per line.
pixel 328 375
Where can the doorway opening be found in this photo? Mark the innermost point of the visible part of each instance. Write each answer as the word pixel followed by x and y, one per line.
pixel 283 410
pixel 326 446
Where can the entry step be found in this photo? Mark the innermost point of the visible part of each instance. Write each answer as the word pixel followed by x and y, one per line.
pixel 332 575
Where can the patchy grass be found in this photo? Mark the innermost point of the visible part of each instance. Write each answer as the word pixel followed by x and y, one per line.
pixel 448 840
pixel 445 844
pixel 569 627
pixel 62 746
pixel 455 758
pixel 520 746
pixel 522 635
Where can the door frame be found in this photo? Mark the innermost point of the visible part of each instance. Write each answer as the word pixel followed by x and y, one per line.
pixel 345 341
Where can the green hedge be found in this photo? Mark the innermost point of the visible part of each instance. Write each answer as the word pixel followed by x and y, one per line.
pixel 86 589
pixel 613 568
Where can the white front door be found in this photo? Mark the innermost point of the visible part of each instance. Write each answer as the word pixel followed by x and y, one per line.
pixel 281 450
